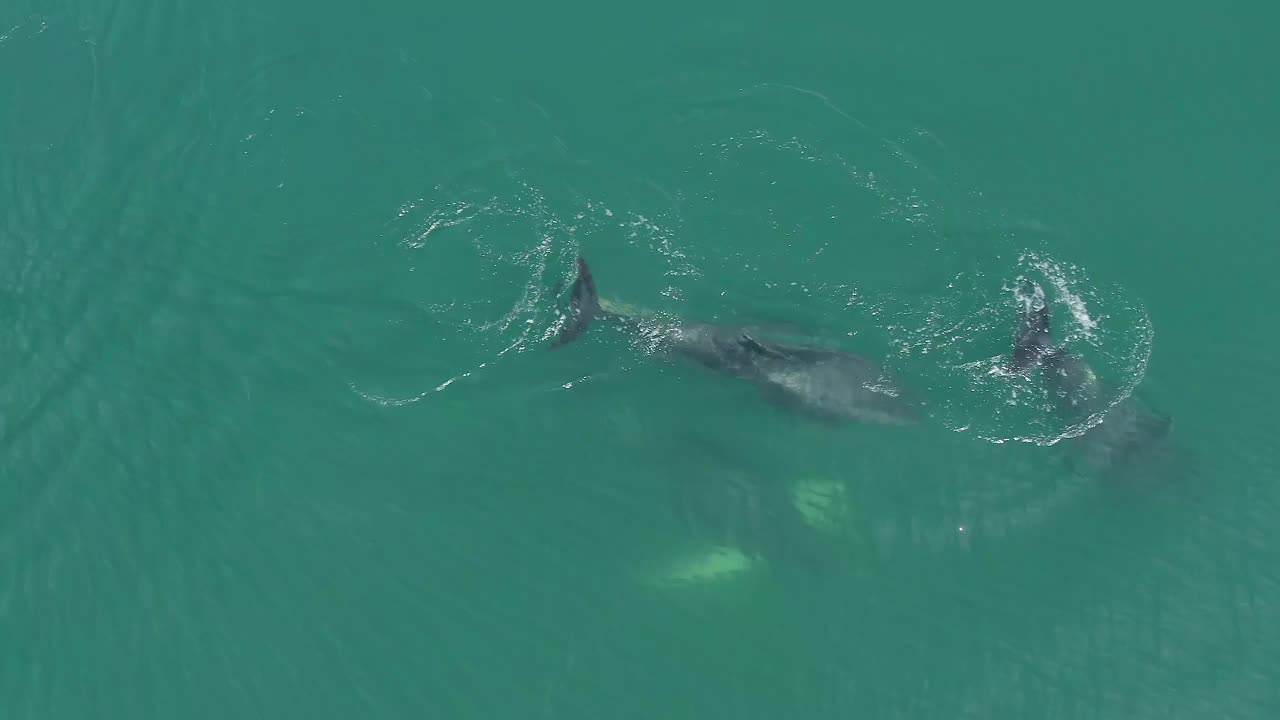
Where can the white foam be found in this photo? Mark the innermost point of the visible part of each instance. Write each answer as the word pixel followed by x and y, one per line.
pixel 1062 282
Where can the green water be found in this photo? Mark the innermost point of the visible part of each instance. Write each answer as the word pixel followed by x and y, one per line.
pixel 280 436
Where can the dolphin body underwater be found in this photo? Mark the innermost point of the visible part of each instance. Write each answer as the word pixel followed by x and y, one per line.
pixel 822 383
pixel 1125 430
pixel 737 514
pixel 741 518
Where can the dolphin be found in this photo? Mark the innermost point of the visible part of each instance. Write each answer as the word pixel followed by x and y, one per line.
pixel 822 383
pixel 1125 430
pixel 740 513
pixel 795 524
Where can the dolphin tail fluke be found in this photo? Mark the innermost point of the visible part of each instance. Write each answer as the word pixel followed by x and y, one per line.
pixel 584 306
pixel 1033 343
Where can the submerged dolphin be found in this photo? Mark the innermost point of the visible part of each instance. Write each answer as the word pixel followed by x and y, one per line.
pixel 1124 430
pixel 795 524
pixel 820 382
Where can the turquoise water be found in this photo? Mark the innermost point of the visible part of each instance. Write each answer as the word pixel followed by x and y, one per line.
pixel 280 435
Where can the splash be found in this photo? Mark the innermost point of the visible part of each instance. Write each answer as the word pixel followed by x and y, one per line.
pixel 1065 278
pixel 497 256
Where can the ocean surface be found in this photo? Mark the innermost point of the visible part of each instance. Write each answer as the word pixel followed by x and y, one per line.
pixel 281 435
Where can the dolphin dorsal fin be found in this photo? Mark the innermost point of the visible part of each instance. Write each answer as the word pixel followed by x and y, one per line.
pixel 755 346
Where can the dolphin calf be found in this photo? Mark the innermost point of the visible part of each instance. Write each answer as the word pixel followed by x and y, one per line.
pixel 1125 429
pixel 822 383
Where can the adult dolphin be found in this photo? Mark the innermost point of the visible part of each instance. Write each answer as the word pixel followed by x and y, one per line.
pixel 823 383
pixel 1122 430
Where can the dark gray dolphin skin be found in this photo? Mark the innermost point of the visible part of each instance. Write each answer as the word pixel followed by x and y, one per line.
pixel 826 384
pixel 1126 430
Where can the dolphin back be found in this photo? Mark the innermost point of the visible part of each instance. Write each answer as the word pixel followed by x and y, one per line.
pixel 584 306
